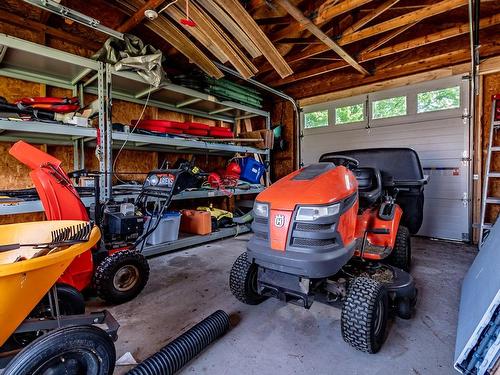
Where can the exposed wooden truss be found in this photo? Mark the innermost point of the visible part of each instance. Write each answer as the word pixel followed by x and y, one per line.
pixel 316 31
pixel 169 32
pixel 405 19
pixel 319 39
pixel 417 42
pixel 370 16
pixel 248 24
pixel 328 10
pixel 139 15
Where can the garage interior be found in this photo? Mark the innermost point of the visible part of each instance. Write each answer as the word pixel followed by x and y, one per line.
pixel 167 124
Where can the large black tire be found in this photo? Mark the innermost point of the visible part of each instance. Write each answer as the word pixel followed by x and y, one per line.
pixel 71 301
pixel 401 254
pixel 120 277
pixel 243 281
pixel 364 315
pixel 70 350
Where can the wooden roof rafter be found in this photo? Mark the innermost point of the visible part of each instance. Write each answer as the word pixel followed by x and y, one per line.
pixel 248 24
pixel 316 31
pixel 377 52
pixel 170 33
pixel 320 12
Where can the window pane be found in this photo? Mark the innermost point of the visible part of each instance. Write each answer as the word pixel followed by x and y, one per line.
pixel 351 113
pixel 389 107
pixel 438 100
pixel 316 119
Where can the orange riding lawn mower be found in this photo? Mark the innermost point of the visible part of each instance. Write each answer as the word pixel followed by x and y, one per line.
pixel 339 232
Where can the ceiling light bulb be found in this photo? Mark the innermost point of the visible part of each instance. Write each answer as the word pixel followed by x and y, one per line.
pixel 151 14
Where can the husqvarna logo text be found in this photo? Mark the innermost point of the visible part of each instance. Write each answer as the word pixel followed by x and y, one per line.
pixel 279 220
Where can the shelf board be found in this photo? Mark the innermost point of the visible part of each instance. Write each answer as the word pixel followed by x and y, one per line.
pixel 37 63
pixel 152 142
pixel 194 240
pixel 43 132
pixel 131 86
pixel 24 207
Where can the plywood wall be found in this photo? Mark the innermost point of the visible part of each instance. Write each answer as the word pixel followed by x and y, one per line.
pixel 283 162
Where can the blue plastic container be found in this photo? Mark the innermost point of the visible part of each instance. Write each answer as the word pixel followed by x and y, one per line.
pixel 251 170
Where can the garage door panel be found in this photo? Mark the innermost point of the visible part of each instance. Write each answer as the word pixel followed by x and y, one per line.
pixel 441 140
pixel 447 223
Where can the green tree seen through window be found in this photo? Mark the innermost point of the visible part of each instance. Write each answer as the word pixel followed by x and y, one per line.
pixel 438 100
pixel 316 119
pixel 351 113
pixel 389 107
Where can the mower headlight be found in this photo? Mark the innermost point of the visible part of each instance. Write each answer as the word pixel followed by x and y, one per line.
pixel 153 180
pixel 261 209
pixel 311 213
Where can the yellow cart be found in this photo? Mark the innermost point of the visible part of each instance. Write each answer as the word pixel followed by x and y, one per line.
pixel 27 274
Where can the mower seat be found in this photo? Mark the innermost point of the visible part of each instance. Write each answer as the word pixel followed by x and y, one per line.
pixel 369 185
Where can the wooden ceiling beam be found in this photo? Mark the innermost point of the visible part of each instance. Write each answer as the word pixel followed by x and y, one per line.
pixel 386 38
pixel 430 38
pixel 204 23
pixel 171 34
pixel 285 20
pixel 307 41
pixel 320 12
pixel 138 16
pixel 220 15
pixel 370 16
pixel 316 31
pixel 405 19
pixel 248 25
pixel 390 50
pixel 407 22
pixel 176 14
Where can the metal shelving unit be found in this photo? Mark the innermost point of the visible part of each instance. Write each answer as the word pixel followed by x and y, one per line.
pixel 29 61
pixel 194 240
pixel 28 206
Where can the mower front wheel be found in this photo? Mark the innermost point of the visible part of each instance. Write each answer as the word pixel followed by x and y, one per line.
pixel 120 277
pixel 364 314
pixel 243 281
pixel 401 254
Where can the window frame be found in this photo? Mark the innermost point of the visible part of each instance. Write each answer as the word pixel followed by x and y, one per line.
pixel 439 89
pixel 411 116
pixel 317 127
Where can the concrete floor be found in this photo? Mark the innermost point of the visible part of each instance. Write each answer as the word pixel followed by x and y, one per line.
pixel 274 338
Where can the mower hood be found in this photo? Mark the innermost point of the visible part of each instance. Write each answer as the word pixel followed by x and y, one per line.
pixel 316 184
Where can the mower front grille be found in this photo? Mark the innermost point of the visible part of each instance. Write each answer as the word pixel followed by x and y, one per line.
pixel 311 242
pixel 307 227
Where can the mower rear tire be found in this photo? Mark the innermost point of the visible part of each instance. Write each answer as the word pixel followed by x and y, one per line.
pixel 243 281
pixel 70 350
pixel 364 314
pixel 121 276
pixel 401 254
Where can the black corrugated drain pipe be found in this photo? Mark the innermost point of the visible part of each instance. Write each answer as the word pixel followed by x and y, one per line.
pixel 180 351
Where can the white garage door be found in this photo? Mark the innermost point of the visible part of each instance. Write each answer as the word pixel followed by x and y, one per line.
pixel 431 118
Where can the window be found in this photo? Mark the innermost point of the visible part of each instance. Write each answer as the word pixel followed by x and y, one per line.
pixel 316 119
pixel 348 114
pixel 389 107
pixel 438 100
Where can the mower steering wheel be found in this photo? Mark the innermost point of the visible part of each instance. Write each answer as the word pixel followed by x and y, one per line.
pixel 346 161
